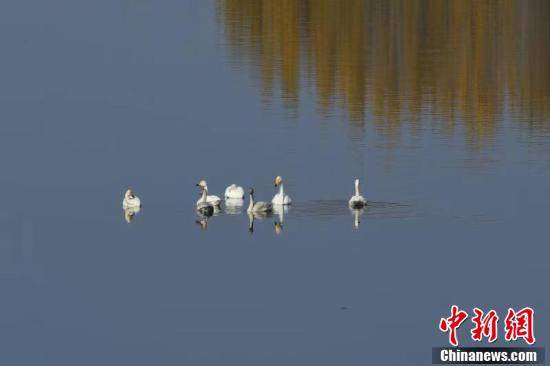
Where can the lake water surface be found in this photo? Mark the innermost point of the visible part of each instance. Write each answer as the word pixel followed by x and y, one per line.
pixel 441 108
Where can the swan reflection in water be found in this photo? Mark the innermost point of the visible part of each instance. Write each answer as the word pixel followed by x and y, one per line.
pixel 357 213
pixel 332 208
pixel 204 217
pixel 320 209
pixel 280 211
pixel 252 216
pixel 130 213
pixel 234 206
pixel 202 222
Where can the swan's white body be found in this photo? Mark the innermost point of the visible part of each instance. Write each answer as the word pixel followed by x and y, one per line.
pixel 213 200
pixel 258 207
pixel 234 192
pixel 281 198
pixel 130 200
pixel 357 201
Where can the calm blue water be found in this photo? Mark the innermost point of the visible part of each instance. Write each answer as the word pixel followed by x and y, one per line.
pixel 99 96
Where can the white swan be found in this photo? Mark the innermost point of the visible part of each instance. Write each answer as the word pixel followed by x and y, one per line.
pixel 130 200
pixel 214 200
pixel 281 198
pixel 203 206
pixel 234 192
pixel 357 201
pixel 258 207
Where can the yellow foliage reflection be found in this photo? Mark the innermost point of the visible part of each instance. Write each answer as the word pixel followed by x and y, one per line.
pixel 396 60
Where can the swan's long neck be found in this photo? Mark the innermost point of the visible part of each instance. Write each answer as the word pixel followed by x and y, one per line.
pixel 281 190
pixel 357 187
pixel 204 195
pixel 251 204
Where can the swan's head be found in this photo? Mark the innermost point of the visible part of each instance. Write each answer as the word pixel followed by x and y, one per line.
pixel 251 191
pixel 129 194
pixel 357 182
pixel 202 184
pixel 278 181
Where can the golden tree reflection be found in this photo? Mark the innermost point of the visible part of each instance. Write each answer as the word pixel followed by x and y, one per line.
pixel 394 61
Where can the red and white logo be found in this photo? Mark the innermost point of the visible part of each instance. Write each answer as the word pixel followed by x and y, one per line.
pixel 517 324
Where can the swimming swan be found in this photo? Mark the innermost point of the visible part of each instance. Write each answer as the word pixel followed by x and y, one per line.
pixel 203 206
pixel 214 200
pixel 258 207
pixel 281 198
pixel 357 201
pixel 130 200
pixel 234 192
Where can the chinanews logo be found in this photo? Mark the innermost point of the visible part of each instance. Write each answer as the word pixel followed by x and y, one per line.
pixel 518 326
